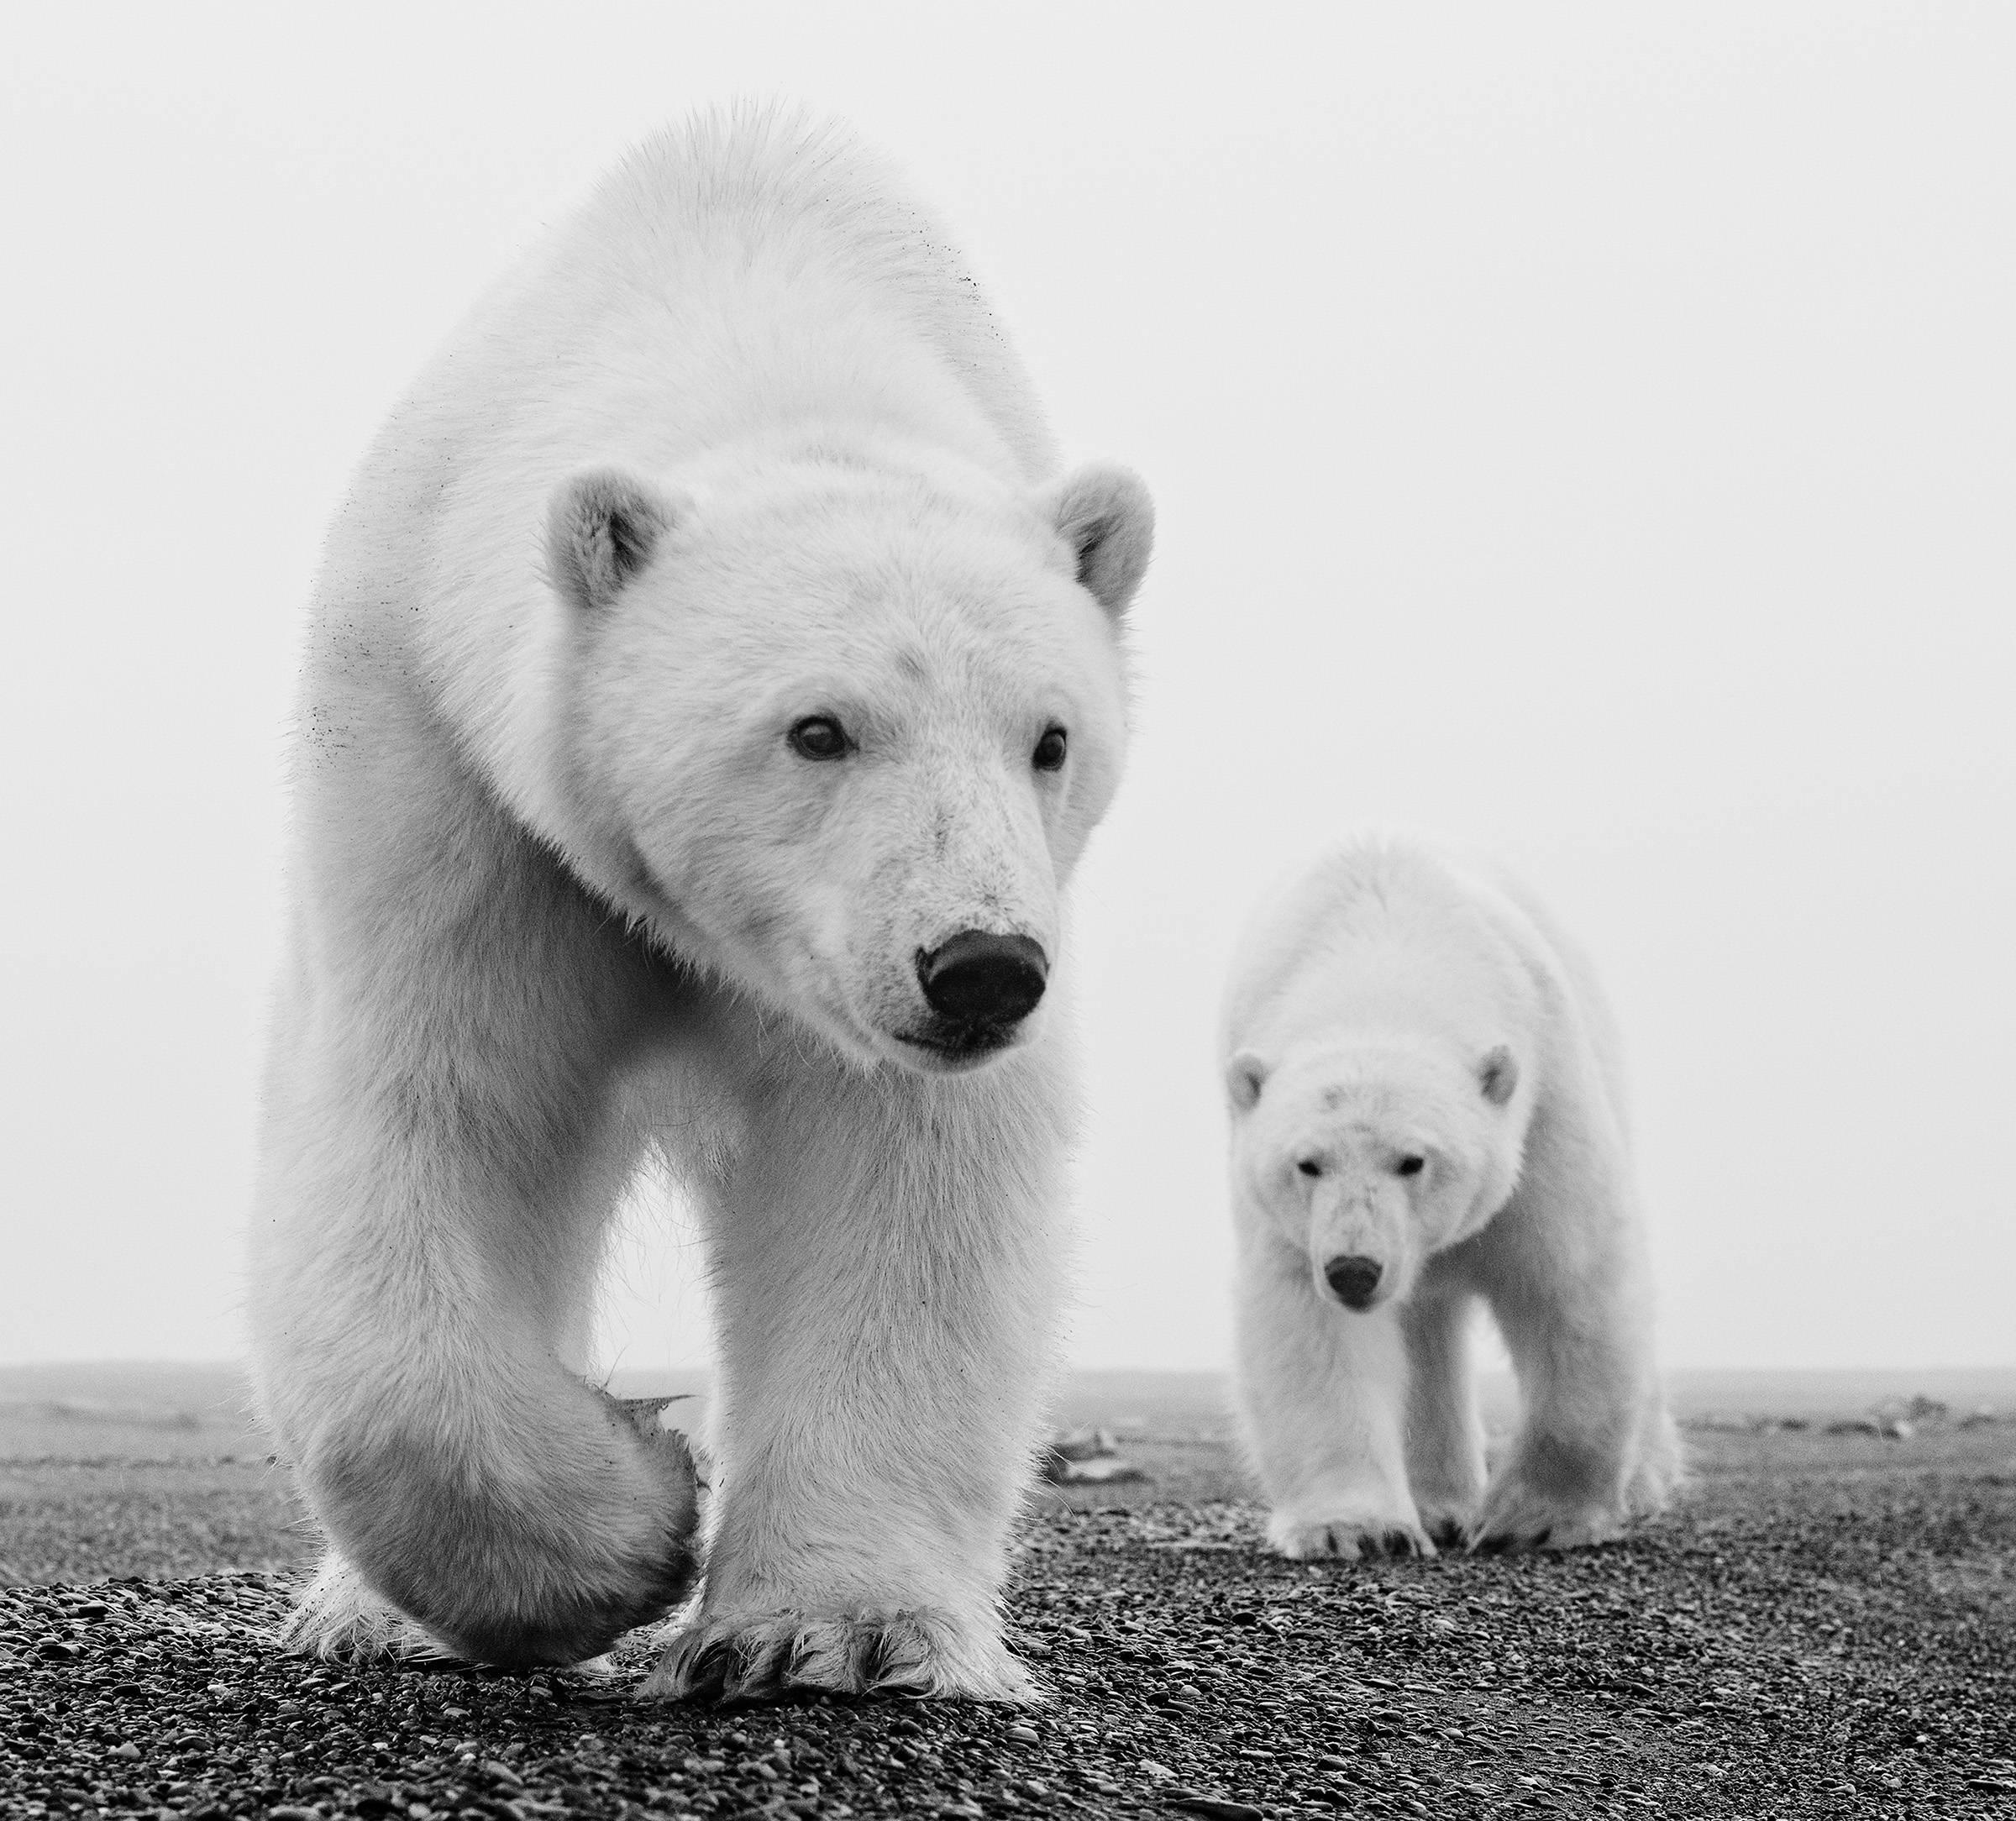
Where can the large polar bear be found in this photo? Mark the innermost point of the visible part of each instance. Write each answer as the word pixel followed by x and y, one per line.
pixel 711 684
pixel 1428 1109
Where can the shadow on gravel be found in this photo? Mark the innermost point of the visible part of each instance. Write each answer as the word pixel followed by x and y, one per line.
pixel 1827 1627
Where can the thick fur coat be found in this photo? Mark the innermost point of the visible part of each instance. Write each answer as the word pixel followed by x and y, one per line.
pixel 1427 1108
pixel 711 684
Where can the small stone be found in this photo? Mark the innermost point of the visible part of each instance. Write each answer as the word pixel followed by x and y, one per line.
pixel 1215 1807
pixel 1023 1735
pixel 1160 1772
pixel 125 1748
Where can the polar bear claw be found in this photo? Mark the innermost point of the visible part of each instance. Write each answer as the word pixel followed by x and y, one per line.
pixel 1348 1538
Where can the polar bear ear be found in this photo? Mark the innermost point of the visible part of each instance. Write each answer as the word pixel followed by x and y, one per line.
pixel 600 534
pixel 1104 516
pixel 1498 1074
pixel 1244 1076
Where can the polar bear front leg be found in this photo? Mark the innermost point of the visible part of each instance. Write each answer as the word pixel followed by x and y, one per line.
pixel 1322 1395
pixel 442 1150
pixel 887 1260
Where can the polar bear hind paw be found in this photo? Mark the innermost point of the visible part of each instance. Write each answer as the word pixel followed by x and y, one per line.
pixel 1448 1529
pixel 1517 1517
pixel 1661 1474
pixel 763 1656
pixel 1348 1538
pixel 339 1618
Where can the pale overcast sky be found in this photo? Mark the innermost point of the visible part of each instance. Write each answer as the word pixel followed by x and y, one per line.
pixel 1586 431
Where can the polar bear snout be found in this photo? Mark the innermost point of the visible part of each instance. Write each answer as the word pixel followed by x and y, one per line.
pixel 980 980
pixel 980 986
pixel 1354 1279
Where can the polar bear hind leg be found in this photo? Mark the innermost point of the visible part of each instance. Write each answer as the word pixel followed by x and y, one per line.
pixel 1444 1434
pixel 1659 1470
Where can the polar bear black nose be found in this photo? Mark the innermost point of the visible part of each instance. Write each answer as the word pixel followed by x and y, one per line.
pixel 981 979
pixel 1354 1279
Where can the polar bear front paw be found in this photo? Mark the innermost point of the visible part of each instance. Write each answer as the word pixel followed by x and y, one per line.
pixel 1347 1537
pixel 340 1618
pixel 756 1657
pixel 542 1552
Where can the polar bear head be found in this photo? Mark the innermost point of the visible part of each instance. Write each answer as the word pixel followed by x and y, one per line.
pixel 839 731
pixel 1371 1157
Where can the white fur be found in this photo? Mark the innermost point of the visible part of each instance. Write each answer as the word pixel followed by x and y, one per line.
pixel 740 445
pixel 1423 1075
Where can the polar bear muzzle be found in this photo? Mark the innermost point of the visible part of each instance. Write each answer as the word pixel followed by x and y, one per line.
pixel 980 986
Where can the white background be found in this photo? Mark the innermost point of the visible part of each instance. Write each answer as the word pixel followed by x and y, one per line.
pixel 1587 431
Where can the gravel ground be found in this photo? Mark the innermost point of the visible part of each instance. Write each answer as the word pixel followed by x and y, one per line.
pixel 1827 1627
pixel 71 1520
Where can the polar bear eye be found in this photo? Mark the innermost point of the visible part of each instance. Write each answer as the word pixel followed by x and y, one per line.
pixel 1409 1166
pixel 1049 755
pixel 1310 1167
pixel 820 736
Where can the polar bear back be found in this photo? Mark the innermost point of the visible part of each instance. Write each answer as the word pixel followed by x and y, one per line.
pixel 1383 939
pixel 751 265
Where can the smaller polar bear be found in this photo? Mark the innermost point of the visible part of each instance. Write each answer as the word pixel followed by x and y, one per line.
pixel 1428 1109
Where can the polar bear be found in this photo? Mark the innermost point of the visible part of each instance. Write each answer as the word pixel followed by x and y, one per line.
pixel 712 683
pixel 1427 1108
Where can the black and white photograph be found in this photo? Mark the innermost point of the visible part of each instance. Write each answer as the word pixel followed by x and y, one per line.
pixel 1049 910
